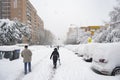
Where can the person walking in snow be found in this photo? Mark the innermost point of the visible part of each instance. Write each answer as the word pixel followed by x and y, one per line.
pixel 27 56
pixel 58 47
pixel 55 56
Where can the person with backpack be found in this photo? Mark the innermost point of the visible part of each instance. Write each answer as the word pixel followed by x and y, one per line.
pixel 27 56
pixel 55 56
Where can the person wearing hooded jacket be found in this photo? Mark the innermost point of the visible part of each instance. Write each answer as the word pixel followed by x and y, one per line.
pixel 55 56
pixel 27 56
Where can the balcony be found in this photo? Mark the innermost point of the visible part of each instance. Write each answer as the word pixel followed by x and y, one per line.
pixel 28 14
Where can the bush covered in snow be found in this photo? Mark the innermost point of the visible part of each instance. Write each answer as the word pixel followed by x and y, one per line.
pixel 12 32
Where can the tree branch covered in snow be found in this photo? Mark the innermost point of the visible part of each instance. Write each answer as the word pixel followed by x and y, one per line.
pixel 12 32
pixel 112 33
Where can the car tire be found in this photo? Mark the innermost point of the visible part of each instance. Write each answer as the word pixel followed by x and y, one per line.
pixel 89 60
pixel 116 71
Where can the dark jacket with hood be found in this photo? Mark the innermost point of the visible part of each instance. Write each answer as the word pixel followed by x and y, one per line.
pixel 55 55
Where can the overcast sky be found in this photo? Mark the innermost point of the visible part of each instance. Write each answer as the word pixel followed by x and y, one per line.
pixel 59 14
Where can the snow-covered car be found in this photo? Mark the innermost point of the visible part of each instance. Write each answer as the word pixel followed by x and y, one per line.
pixel 106 59
pixel 89 52
pixel 80 50
pixel 72 47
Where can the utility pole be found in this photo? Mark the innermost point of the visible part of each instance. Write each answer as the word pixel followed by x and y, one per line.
pixel 77 34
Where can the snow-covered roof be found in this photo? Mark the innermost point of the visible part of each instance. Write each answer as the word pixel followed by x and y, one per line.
pixel 8 48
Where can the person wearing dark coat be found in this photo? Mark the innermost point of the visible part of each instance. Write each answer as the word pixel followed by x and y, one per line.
pixel 55 56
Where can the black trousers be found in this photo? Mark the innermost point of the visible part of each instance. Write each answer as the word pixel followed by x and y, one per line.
pixel 55 61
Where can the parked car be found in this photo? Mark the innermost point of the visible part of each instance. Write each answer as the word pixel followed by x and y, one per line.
pixel 80 50
pixel 89 52
pixel 106 59
pixel 72 47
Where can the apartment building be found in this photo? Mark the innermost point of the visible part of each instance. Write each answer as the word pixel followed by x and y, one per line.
pixel 4 8
pixel 91 29
pixel 23 11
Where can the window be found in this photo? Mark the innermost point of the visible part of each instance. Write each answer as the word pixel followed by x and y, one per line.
pixel 15 3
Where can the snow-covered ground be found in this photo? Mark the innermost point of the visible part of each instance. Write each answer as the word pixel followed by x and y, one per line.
pixel 71 68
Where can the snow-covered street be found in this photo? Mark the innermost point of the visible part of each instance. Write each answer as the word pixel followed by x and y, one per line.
pixel 59 40
pixel 72 67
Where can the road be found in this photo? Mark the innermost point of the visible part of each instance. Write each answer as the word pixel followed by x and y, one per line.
pixel 72 68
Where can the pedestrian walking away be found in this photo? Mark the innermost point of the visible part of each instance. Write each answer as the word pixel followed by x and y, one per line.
pixel 27 57
pixel 58 47
pixel 55 56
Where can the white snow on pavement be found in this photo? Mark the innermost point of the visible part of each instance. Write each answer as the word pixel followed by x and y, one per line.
pixel 71 68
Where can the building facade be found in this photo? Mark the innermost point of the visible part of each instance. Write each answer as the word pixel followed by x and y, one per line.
pixel 91 29
pixel 23 11
pixel 5 9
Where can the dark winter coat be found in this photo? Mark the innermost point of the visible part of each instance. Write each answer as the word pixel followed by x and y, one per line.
pixel 55 55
